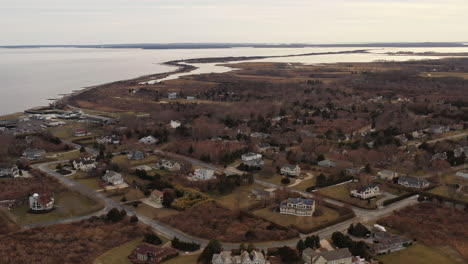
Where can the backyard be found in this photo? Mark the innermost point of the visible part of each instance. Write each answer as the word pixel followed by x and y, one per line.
pixel 341 192
pixel 421 254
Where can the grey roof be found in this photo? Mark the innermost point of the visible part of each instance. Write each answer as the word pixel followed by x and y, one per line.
pixel 298 200
pixel 289 166
pixel 362 188
pixel 338 254
pixel 412 180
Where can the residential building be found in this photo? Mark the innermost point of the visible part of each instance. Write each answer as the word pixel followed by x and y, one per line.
pixel 298 206
pixel 438 129
pixel 8 170
pixel 172 96
pixel 263 146
pixel 41 202
pixel 136 155
pixel 113 178
pixel 439 156
pixel 34 154
pixel 225 257
pixel 114 139
pixel 203 174
pixel 459 151
pixel 260 135
pixel 252 159
pixel 366 191
pixel 339 256
pixel 170 165
pixel 149 140
pixel 84 164
pixel 385 242
pixel 291 170
pixel 191 98
pixel 412 182
pixel 80 133
pixel 327 163
pixel 387 175
pixel 157 197
pixel 175 124
pixel 150 254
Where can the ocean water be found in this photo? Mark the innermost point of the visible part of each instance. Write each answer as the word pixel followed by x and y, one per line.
pixel 30 77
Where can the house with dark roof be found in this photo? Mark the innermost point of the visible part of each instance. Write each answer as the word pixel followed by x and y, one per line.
pixel 150 254
pixel 34 154
pixel 366 191
pixel 339 256
pixel 291 170
pixel 412 182
pixel 385 242
pixel 136 155
pixel 225 257
pixel 298 207
pixel 8 170
pixel 84 164
pixel 41 203
pixel 112 177
pixel 261 194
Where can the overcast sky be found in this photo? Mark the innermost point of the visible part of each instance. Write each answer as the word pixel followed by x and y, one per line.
pixel 259 21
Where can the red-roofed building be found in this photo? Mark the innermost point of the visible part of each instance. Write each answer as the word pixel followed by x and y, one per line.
pixel 150 254
pixel 41 202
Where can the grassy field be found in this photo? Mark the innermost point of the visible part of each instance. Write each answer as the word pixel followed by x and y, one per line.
pixel 190 259
pixel 304 184
pixel 118 255
pixel 306 222
pixel 419 254
pixel 69 204
pixel 342 193
pixel 240 197
pixel 463 75
pixel 450 193
pixel 123 160
pixel 155 213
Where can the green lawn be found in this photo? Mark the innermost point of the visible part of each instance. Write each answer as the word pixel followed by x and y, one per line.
pixel 190 259
pixel 118 255
pixel 342 193
pixel 450 193
pixel 238 198
pixel 69 204
pixel 155 213
pixel 419 254
pixel 306 222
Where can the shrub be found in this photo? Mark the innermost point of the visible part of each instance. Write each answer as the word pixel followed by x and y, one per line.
pixel 152 238
pixel 285 181
pixel 185 246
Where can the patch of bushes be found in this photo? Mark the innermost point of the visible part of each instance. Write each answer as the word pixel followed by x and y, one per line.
pixel 185 246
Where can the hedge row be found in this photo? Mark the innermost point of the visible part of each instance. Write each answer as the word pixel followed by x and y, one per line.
pixel 330 183
pixel 399 198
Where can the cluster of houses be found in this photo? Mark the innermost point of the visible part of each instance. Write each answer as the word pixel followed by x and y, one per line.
pixel 406 181
pixel 148 140
pixel 108 140
pixel 32 154
pixel 254 257
pixel 151 254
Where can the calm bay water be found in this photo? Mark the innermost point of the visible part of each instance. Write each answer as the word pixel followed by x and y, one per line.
pixel 28 77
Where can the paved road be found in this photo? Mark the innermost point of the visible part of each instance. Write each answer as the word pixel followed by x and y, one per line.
pixel 361 214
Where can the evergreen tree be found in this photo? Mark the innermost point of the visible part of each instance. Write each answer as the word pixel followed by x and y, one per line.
pixel 300 245
pixel 213 247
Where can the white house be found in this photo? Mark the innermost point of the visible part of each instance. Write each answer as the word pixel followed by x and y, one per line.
pixel 252 159
pixel 157 197
pixel 387 175
pixel 8 170
pixel 298 206
pixel 84 164
pixel 170 165
pixel 80 133
pixel 203 174
pixel 149 140
pixel 175 124
pixel 39 203
pixel 225 257
pixel 172 95
pixel 366 192
pixel 113 178
pixel 34 154
pixel 291 170
pixel 108 140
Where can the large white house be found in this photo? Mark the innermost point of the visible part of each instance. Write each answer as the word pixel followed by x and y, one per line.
pixel 252 159
pixel 366 192
pixel 112 177
pixel 39 203
pixel 108 140
pixel 8 170
pixel 298 206
pixel 291 170
pixel 203 174
pixel 175 124
pixel 149 140
pixel 225 257
pixel 387 175
pixel 84 164
pixel 169 165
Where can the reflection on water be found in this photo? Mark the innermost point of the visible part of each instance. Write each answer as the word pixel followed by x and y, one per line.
pixel 28 77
